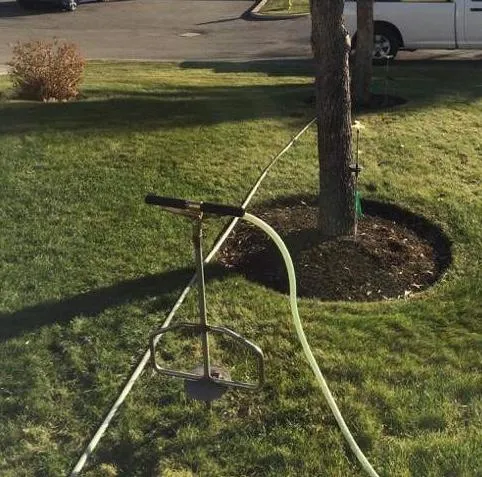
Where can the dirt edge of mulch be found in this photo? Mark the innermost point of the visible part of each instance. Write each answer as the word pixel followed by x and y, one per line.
pixel 395 254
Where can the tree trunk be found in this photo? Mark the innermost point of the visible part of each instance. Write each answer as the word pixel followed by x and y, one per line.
pixel 362 74
pixel 331 48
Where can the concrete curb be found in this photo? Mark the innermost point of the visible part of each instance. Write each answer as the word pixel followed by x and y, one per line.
pixel 255 13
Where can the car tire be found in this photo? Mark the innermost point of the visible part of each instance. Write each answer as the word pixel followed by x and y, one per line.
pixel 385 44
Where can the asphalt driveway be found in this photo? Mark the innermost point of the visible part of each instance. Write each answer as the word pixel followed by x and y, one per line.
pixel 159 29
pixel 171 30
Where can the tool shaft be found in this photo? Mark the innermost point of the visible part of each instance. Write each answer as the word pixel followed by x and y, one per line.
pixel 201 286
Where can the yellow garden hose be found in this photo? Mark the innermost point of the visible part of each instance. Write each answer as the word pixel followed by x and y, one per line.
pixel 304 342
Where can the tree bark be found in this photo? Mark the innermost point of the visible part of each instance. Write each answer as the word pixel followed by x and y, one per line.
pixel 331 48
pixel 362 74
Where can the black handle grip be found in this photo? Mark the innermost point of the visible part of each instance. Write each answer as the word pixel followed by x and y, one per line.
pixel 220 209
pixel 207 207
pixel 153 199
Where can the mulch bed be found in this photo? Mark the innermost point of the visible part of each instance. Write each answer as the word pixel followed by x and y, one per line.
pixel 394 255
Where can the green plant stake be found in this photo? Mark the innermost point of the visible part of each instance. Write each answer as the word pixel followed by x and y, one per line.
pixel 358 206
pixel 355 169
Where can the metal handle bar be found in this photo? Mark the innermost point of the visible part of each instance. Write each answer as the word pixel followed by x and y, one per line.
pixel 183 204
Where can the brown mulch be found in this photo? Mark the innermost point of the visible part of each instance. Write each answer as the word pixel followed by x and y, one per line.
pixel 392 256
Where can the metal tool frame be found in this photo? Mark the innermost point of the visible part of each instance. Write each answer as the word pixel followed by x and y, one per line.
pixel 194 211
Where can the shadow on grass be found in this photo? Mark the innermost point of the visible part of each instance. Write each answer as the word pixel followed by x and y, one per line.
pixel 290 67
pixel 427 80
pixel 430 81
pixel 94 302
pixel 306 67
pixel 145 110
pixel 155 107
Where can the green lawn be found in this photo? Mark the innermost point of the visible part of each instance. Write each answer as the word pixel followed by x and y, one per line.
pixel 287 7
pixel 284 7
pixel 88 272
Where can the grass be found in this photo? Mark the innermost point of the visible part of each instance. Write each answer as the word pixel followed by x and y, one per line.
pixel 89 271
pixel 290 7
pixel 285 7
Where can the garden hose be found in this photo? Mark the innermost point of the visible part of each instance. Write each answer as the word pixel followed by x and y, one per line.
pixel 304 343
pixel 144 360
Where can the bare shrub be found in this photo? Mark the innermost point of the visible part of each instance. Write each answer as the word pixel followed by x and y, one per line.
pixel 46 70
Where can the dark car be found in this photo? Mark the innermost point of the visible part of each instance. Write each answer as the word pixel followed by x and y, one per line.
pixel 67 5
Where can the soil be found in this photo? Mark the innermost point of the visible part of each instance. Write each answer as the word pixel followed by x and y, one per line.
pixel 395 254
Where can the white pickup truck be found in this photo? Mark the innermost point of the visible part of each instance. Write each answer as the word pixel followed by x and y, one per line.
pixel 411 25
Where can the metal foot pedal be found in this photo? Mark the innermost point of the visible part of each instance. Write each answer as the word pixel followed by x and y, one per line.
pixel 206 389
pixel 208 382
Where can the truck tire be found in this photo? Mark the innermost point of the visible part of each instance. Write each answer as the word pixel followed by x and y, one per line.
pixel 385 44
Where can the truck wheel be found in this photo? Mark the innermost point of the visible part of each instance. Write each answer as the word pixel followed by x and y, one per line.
pixel 385 43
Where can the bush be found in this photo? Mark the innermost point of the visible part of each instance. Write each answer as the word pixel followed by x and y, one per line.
pixel 46 70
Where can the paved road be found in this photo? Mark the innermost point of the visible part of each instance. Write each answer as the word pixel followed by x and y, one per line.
pixel 154 29
pixel 169 30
